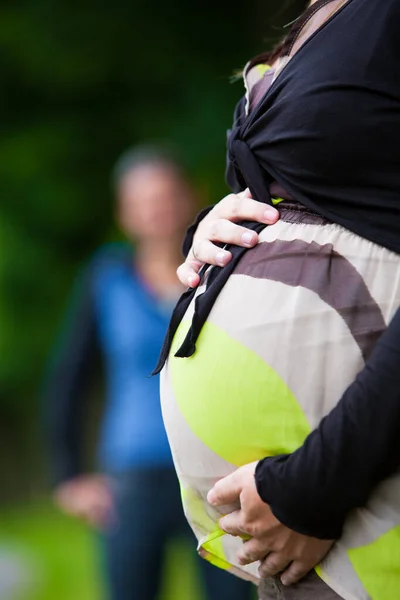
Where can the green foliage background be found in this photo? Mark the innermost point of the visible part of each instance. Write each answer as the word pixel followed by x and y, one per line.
pixel 80 82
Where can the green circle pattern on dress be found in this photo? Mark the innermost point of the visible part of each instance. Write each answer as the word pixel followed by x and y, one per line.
pixel 225 382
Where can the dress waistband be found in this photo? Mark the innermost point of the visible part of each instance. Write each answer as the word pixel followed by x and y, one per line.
pixel 294 212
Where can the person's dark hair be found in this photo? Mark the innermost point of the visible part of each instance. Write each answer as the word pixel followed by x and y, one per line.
pixel 279 43
pixel 145 155
pixel 284 44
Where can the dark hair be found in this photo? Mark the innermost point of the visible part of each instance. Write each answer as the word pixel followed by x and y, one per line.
pixel 144 155
pixel 284 44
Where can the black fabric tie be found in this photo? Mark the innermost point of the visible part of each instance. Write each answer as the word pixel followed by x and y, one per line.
pixel 258 183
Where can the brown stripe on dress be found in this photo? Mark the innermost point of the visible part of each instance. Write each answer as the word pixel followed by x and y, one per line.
pixel 294 212
pixel 327 273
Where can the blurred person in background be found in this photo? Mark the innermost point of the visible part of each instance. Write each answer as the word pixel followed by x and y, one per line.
pixel 120 309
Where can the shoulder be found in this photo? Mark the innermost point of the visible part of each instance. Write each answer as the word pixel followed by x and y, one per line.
pixel 104 261
pixel 113 254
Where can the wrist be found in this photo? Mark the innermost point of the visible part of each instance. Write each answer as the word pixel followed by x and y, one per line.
pixel 296 506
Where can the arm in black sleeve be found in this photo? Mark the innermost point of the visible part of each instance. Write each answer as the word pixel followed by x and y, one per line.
pixel 354 448
pixel 66 382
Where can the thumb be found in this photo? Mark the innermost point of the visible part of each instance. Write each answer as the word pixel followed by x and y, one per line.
pixel 226 491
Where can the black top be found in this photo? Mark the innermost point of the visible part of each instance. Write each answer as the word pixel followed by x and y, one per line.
pixel 327 130
pixel 114 321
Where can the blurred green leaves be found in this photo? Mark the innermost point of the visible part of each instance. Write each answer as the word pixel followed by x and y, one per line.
pixel 80 82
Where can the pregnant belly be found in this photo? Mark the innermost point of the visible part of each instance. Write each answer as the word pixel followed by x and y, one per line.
pixel 271 360
pixel 286 336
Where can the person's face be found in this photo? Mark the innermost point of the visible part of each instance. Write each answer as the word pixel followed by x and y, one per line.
pixel 154 202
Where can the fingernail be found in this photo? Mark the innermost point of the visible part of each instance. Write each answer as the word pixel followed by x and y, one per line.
pixel 211 497
pixel 270 213
pixel 220 258
pixel 285 581
pixel 248 238
pixel 191 280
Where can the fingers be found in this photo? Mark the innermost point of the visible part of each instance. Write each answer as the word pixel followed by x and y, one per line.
pixel 232 524
pixel 295 572
pixel 207 252
pixel 308 559
pixel 273 564
pixel 95 515
pixel 220 226
pixel 188 272
pixel 88 498
pixel 225 491
pixel 98 515
pixel 188 275
pixel 252 551
pixel 223 230
pixel 238 207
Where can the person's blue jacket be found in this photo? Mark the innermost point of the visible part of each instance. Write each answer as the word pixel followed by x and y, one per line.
pixel 112 312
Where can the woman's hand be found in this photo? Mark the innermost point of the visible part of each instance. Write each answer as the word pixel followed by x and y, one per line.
pixel 220 226
pixel 280 550
pixel 87 497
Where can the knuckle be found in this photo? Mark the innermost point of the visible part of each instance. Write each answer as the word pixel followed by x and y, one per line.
pixel 278 546
pixel 213 229
pixel 234 208
pixel 250 528
pixel 200 228
pixel 242 525
pixel 248 556
pixel 198 248
pixel 294 575
pixel 271 564
pixel 299 570
pixel 223 204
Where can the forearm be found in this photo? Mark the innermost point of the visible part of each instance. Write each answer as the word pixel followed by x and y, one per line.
pixel 354 448
pixel 63 428
pixel 65 389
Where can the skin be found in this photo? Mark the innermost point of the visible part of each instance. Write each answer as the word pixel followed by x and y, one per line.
pixel 154 206
pixel 220 225
pixel 281 550
pixel 87 497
